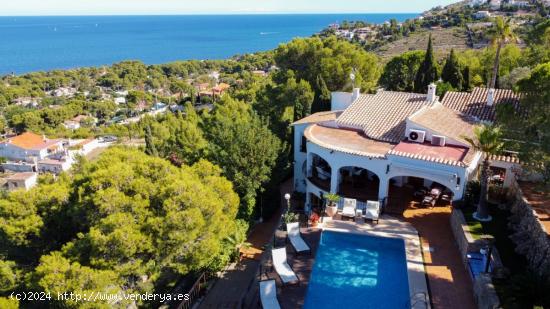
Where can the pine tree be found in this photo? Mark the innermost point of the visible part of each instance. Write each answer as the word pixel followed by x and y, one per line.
pixel 466 78
pixel 451 72
pixel 428 70
pixel 150 148
pixel 322 99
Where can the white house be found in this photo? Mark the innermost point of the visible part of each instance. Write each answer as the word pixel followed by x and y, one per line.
pixel 27 146
pixel 55 166
pixel 370 143
pixel 482 14
pixel 21 181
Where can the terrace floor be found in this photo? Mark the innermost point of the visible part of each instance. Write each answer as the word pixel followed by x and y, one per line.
pixel 449 282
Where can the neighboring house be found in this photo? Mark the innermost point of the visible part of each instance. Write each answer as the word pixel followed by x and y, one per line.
pixel 29 145
pixel 21 181
pixel 370 143
pixel 120 100
pixel 482 14
pixel 55 166
pixel 76 122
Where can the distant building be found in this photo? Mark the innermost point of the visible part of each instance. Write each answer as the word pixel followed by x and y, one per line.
pixel 21 181
pixel 120 100
pixel 76 122
pixel 482 15
pixel 29 145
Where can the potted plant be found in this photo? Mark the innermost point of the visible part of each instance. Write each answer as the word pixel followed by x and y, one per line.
pixel 332 207
pixel 314 218
pixel 290 217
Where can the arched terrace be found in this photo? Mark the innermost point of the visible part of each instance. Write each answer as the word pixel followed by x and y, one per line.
pixel 358 183
pixel 414 192
pixel 319 172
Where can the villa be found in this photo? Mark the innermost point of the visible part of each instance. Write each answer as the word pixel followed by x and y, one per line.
pixel 368 145
pixel 29 145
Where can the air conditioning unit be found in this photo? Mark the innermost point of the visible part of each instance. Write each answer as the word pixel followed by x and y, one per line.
pixel 417 136
pixel 438 140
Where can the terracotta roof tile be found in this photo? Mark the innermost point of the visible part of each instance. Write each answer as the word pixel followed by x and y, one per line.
pixel 475 103
pixel 445 121
pixel 30 140
pixel 382 116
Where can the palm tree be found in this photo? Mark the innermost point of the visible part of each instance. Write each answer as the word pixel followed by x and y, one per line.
pixel 500 34
pixel 487 139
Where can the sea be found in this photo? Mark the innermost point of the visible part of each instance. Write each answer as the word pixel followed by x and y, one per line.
pixel 30 44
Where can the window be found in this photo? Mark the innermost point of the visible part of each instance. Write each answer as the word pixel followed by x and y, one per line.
pixel 303 145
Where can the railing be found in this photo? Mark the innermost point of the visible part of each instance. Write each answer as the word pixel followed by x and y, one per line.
pixel 195 292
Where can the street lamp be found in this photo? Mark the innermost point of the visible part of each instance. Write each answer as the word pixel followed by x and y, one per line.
pixel 287 198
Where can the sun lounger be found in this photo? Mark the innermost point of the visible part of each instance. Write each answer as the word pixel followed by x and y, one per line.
pixel 295 238
pixel 372 211
pixel 281 266
pixel 349 208
pixel 268 294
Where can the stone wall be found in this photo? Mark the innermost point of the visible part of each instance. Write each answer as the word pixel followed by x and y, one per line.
pixel 484 291
pixel 529 235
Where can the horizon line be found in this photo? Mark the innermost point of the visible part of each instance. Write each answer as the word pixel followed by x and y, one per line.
pixel 212 14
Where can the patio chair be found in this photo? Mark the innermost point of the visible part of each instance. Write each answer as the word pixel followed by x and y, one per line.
pixel 372 211
pixel 281 266
pixel 293 233
pixel 349 208
pixel 268 294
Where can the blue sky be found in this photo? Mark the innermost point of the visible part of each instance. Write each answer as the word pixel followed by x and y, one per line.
pixel 128 7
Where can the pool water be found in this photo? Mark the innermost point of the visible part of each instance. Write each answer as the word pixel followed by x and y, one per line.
pixel 358 271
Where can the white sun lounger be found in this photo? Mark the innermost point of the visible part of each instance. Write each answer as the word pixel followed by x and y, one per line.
pixel 372 210
pixel 281 266
pixel 295 238
pixel 349 208
pixel 268 294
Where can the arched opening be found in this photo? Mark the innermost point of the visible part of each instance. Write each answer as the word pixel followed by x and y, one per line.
pixel 406 192
pixel 358 183
pixel 319 172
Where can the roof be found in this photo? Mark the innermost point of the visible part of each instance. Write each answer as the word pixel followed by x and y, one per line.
pixel 21 176
pixel 51 162
pixel 347 141
pixel 445 121
pixel 382 116
pixel 31 141
pixel 475 103
pixel 319 117
pixel 449 155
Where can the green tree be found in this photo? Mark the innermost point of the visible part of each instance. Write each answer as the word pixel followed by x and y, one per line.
pixel 244 147
pixel 500 34
pixel 488 140
pixel 530 125
pixel 150 147
pixel 427 73
pixel 452 72
pixel 400 72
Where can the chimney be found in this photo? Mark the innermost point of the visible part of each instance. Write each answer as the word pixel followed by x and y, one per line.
pixel 355 94
pixel 491 97
pixel 431 92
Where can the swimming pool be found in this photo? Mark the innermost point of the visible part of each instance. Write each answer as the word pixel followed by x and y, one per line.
pixel 358 271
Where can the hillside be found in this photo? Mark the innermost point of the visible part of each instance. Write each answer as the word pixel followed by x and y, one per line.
pixel 444 40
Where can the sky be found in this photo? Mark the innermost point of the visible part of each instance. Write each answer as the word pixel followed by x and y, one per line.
pixel 175 7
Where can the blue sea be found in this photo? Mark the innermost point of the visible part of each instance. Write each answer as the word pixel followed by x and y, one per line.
pixel 47 43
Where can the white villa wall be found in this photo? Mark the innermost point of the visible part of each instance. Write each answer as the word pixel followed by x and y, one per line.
pixel 390 167
pixel 299 158
pixel 13 152
pixel 340 101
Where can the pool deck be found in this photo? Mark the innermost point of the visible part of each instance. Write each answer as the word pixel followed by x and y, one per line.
pixel 293 296
pixel 393 228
